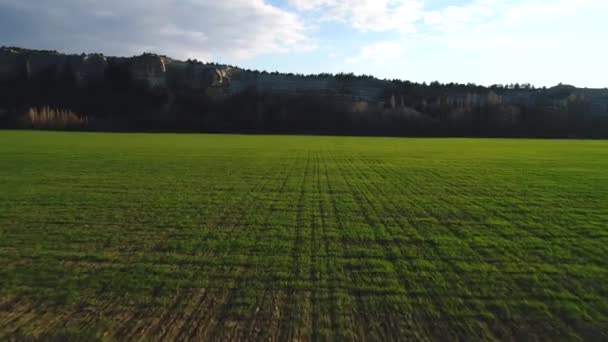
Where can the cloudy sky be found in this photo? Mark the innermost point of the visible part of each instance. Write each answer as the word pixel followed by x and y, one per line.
pixel 543 42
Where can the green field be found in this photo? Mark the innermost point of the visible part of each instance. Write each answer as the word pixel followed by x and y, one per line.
pixel 229 237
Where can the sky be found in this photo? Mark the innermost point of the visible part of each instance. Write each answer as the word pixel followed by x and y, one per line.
pixel 543 42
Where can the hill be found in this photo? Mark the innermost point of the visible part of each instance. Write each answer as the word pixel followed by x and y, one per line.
pixel 154 92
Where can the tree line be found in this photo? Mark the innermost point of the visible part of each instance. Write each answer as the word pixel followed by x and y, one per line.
pixel 117 103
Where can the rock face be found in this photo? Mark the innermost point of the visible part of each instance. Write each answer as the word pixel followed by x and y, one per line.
pixel 90 68
pixel 85 68
pixel 597 99
pixel 150 70
pixel 196 76
pixel 52 63
pixel 10 64
pixel 165 74
pixel 277 84
pixel 281 84
pixel 153 71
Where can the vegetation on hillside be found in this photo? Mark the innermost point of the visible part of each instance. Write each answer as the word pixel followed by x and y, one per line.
pixel 117 103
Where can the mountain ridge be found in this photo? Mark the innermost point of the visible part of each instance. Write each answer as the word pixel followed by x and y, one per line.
pixel 156 88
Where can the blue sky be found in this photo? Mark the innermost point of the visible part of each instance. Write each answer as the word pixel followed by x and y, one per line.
pixel 543 42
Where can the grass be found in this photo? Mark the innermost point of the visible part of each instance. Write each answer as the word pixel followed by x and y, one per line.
pixel 216 237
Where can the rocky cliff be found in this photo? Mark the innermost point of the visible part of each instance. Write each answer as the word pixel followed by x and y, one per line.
pixel 153 71
pixel 163 73
pixel 150 86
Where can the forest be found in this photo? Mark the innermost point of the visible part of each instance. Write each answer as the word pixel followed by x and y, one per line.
pixel 117 102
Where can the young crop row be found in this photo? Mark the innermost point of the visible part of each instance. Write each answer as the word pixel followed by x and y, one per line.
pixel 282 238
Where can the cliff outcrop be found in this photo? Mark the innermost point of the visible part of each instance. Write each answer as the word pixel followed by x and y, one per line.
pixel 165 74
pixel 11 64
pixel 150 70
pixel 223 96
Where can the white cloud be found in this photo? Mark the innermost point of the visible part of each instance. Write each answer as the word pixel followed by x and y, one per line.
pixel 378 52
pixel 524 26
pixel 412 16
pixel 180 28
pixel 457 18
pixel 367 15
pixel 497 41
pixel 541 41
